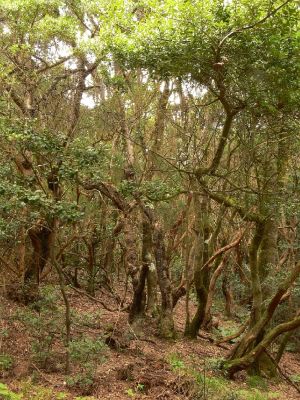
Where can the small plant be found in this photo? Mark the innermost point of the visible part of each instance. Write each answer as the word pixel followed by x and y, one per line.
pixel 6 362
pixel 130 392
pixel 175 362
pixel 90 320
pixel 140 387
pixel 133 392
pixel 87 350
pixel 44 319
pixel 85 398
pixel 61 396
pixel 7 394
pixel 295 378
pixel 4 333
pixel 85 353
pixel 83 381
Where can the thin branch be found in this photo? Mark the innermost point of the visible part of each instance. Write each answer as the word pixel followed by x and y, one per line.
pixel 222 250
pixel 253 25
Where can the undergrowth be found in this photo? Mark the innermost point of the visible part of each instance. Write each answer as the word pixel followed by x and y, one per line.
pixel 199 384
pixel 29 391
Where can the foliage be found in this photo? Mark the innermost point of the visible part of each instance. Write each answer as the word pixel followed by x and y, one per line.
pixel 29 391
pixel 87 349
pixel 7 394
pixel 44 320
pixel 6 362
pixel 255 381
pixel 295 378
pixel 176 362
pixel 85 353
pixel 207 386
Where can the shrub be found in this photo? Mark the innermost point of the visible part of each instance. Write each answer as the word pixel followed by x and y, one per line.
pixel 6 362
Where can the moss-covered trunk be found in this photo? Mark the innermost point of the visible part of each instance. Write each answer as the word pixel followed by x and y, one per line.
pixel 201 276
pixel 167 329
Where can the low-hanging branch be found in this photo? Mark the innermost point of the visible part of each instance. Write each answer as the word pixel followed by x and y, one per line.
pixel 222 250
pixel 230 202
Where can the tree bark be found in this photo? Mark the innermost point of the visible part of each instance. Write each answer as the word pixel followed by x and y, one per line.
pixel 167 329
pixel 256 338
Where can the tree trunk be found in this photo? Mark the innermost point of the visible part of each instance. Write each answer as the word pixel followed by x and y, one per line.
pixel 211 292
pixel 228 295
pixel 152 290
pixel 41 237
pixel 137 275
pixel 255 337
pixel 251 358
pixel 201 276
pixel 167 329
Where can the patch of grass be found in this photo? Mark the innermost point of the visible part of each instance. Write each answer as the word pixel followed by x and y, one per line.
pixel 255 381
pixel 85 398
pixel 89 319
pixel 216 387
pixel 211 386
pixel 176 362
pixel 7 394
pixel 29 391
pixel 214 364
pixel 256 394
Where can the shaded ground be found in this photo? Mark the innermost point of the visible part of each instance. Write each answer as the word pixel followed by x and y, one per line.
pixel 138 364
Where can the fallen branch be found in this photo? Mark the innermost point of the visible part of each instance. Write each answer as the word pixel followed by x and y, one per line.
pixel 42 374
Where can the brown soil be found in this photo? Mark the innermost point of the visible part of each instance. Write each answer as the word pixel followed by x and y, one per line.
pixel 137 361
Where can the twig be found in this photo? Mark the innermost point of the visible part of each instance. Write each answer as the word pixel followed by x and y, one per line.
pixel 42 374
pixel 223 250
pixel 93 298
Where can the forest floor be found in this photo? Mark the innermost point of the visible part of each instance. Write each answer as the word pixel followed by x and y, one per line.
pixel 137 364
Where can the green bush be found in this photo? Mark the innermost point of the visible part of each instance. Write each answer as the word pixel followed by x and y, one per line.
pixel 44 320
pixel 6 362
pixel 87 350
pixel 84 381
pixel 86 353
